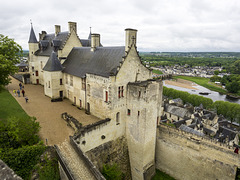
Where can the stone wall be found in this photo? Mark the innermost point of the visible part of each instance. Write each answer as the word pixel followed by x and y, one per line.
pixel 115 151
pixel 186 156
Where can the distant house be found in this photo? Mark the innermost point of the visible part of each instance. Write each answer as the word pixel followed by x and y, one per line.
pixel 175 113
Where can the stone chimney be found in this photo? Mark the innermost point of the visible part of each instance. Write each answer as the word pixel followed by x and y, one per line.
pixel 72 26
pixel 95 41
pixel 42 35
pixel 57 29
pixel 131 38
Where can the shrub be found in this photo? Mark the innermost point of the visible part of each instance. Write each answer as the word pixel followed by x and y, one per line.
pixel 22 160
pixel 111 172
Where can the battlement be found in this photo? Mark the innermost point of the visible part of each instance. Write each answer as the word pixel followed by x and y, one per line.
pixel 181 155
pixel 206 140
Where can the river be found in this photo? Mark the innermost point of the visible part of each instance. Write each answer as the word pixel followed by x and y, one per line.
pixel 215 96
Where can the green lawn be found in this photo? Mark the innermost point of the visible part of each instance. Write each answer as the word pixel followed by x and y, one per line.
pixel 162 176
pixel 9 106
pixel 202 82
pixel 157 71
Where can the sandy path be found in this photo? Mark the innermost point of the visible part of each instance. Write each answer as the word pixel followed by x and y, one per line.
pixel 181 83
pixel 48 114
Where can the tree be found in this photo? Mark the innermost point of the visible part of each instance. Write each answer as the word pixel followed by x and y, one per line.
pixel 10 53
pixel 216 72
pixel 233 87
pixel 18 132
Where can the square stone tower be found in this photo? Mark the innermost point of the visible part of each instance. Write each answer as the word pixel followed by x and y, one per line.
pixel 143 110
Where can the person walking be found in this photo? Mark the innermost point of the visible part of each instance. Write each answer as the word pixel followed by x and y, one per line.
pixel 20 86
pixel 26 99
pixel 18 92
pixel 23 92
pixel 15 92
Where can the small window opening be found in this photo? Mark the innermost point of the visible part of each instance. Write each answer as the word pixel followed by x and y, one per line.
pixel 129 112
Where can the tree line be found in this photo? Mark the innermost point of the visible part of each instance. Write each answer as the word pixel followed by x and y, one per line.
pixel 229 110
pixel 231 82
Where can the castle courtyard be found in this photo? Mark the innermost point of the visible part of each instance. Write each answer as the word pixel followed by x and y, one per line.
pixel 48 114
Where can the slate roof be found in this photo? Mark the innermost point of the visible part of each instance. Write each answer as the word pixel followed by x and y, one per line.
pixel 47 49
pixel 7 173
pixel 178 111
pixel 179 123
pixel 53 63
pixel 86 42
pixel 223 133
pixel 32 37
pixel 190 130
pixel 104 61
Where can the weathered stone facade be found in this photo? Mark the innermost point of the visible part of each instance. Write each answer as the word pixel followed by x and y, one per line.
pixel 187 156
pixel 115 151
pixel 112 84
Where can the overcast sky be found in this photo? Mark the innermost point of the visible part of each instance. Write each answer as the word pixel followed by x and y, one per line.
pixel 163 25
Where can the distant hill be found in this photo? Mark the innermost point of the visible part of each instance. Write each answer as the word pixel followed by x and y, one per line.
pixel 195 54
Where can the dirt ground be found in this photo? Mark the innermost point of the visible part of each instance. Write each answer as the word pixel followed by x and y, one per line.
pixel 181 83
pixel 48 114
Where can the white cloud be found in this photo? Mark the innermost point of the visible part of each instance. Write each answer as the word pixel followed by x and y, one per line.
pixel 163 25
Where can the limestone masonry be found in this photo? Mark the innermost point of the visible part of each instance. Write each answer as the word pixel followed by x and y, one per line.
pixel 113 84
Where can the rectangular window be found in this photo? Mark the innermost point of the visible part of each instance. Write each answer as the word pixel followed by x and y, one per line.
pixel 71 80
pixel 106 96
pixel 61 82
pixel 36 73
pixel 120 91
pixel 138 113
pixel 48 84
pixel 128 112
pixel 80 103
pixel 84 84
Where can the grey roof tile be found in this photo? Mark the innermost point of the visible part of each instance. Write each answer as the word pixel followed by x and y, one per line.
pixel 32 37
pixel 190 130
pixel 104 61
pixel 53 63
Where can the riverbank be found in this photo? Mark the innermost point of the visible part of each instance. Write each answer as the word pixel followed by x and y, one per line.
pixel 203 82
pixel 181 83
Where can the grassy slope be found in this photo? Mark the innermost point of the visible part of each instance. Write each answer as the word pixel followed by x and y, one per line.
pixel 202 82
pixel 157 71
pixel 9 106
pixel 161 176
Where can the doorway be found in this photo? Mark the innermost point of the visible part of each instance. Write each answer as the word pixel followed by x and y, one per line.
pixel 61 94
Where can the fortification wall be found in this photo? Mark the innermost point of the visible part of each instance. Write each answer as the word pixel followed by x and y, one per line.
pixel 186 156
pixel 115 151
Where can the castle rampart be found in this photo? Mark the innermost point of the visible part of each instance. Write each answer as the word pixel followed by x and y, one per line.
pixel 187 156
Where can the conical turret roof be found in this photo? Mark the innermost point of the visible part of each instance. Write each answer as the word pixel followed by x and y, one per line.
pixel 53 63
pixel 32 38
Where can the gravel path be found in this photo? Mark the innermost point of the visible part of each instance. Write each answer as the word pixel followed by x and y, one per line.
pixel 48 114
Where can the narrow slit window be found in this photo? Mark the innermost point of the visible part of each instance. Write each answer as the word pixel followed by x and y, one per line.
pixel 106 96
pixel 129 112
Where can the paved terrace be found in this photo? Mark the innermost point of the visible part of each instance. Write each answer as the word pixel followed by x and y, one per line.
pixel 48 114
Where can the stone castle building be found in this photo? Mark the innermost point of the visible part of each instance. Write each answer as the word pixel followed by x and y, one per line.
pixel 113 84
pixel 108 82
